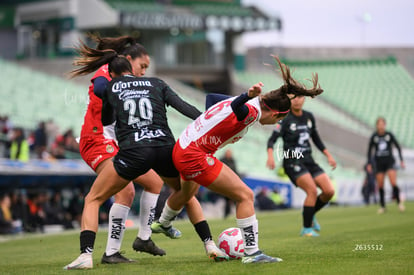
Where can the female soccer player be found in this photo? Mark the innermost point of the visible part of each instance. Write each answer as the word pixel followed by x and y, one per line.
pixel 145 142
pixel 380 145
pixel 98 146
pixel 223 123
pixel 296 130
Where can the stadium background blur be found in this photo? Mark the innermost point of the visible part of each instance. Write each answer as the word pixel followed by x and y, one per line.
pixel 197 47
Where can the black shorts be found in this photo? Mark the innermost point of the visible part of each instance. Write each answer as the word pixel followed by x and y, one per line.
pixel 296 168
pixel 134 162
pixel 382 165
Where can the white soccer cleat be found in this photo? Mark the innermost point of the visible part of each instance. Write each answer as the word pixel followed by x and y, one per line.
pixel 401 207
pixel 84 261
pixel 213 252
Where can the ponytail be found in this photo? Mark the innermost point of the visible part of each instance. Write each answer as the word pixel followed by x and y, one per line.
pixel 91 60
pixel 279 99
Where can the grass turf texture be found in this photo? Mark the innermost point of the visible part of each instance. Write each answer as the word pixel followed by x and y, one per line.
pixel 332 253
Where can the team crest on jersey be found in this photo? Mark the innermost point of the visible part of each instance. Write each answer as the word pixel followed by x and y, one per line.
pixel 210 161
pixel 248 120
pixel 95 129
pixel 109 148
pixel 293 127
pixel 309 123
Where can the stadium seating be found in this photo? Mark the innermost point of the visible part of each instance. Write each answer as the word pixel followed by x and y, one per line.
pixel 33 96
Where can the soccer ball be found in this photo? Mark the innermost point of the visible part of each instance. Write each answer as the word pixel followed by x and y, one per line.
pixel 230 241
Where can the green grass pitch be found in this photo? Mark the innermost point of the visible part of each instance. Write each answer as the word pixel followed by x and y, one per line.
pixel 342 248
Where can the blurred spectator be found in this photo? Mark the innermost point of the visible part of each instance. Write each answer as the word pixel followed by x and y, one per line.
pixel 6 125
pixel 262 200
pixel 76 206
pixel 37 216
pixel 7 224
pixel 56 212
pixel 19 147
pixel 57 149
pixel 19 208
pixel 277 198
pixel 368 185
pixel 52 131
pixel 40 140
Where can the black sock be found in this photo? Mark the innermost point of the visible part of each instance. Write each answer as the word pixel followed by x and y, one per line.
pixel 203 231
pixel 87 240
pixel 308 212
pixel 381 193
pixel 396 193
pixel 319 204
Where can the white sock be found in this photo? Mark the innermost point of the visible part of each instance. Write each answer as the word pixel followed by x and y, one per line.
pixel 147 206
pixel 168 215
pixel 250 231
pixel 116 228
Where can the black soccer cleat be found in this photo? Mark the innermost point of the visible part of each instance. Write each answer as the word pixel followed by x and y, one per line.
pixel 147 246
pixel 116 258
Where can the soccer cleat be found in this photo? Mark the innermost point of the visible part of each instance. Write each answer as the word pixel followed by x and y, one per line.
pixel 84 261
pixel 308 232
pixel 147 246
pixel 401 207
pixel 260 257
pixel 213 252
pixel 170 231
pixel 381 210
pixel 116 258
pixel 315 225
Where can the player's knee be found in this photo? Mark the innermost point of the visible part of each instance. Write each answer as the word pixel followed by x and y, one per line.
pixel 247 195
pixel 329 193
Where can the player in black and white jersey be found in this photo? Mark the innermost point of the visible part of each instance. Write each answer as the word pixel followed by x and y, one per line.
pixel 381 159
pixel 296 130
pixel 138 106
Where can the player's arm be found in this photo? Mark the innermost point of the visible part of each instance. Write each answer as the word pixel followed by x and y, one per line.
pixel 270 162
pixel 238 105
pixel 213 98
pixel 369 156
pixel 320 145
pixel 397 145
pixel 99 85
pixel 108 114
pixel 179 104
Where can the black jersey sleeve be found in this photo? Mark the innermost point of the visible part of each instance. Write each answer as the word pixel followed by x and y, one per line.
pixel 272 139
pixel 99 86
pixel 397 145
pixel 213 98
pixel 239 108
pixel 108 113
pixel 315 135
pixel 371 146
pixel 173 100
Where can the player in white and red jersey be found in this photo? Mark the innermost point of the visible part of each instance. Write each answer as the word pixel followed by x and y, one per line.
pixel 226 122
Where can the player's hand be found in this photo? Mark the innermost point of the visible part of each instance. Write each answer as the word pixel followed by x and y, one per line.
pixel 255 90
pixel 402 164
pixel 270 163
pixel 332 162
pixel 369 168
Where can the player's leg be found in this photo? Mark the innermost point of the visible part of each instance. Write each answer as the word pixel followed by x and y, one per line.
pixel 118 215
pixel 380 182
pixel 307 184
pixel 230 185
pixel 105 185
pixel 324 183
pixel 392 175
pixel 152 185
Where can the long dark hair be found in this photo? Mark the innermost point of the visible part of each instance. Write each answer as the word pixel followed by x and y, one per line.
pixel 91 60
pixel 279 100
pixel 106 50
